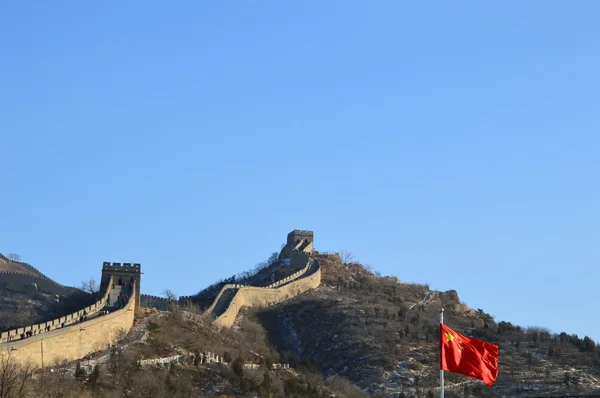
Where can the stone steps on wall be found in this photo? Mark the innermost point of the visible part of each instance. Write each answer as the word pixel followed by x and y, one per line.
pixel 223 302
pixel 265 295
pixel 113 297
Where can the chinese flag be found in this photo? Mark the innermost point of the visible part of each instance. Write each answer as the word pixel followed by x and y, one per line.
pixel 468 356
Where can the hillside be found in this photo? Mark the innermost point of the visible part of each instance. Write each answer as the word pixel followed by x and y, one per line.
pixel 382 334
pixel 356 334
pixel 28 296
pixel 7 265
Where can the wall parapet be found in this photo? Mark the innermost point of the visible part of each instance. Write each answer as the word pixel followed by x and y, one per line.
pixel 44 284
pixel 292 277
pixel 36 273
pixel 160 303
pixel 121 267
pixel 223 289
pixel 248 296
pixel 58 323
pixel 73 341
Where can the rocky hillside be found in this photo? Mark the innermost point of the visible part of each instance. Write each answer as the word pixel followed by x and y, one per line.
pixel 28 296
pixel 7 265
pixel 357 334
pixel 382 334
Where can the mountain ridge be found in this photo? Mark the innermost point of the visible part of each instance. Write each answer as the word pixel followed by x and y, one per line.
pixel 361 329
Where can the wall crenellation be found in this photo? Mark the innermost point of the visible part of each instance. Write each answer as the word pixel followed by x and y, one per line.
pixel 250 296
pixel 75 341
pixel 59 339
pixel 45 327
pixel 124 267
pixel 36 273
pixel 44 284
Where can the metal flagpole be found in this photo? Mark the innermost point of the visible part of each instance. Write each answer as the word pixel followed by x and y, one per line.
pixel 441 370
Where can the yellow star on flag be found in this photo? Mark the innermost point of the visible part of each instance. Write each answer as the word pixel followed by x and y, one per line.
pixel 450 338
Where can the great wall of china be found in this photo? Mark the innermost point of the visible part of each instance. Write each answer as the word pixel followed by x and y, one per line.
pixel 21 273
pixel 96 327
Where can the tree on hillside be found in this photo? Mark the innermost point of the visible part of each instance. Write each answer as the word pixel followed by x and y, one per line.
pixel 13 257
pixel 346 257
pixel 90 286
pixel 273 258
pixel 13 377
pixel 170 295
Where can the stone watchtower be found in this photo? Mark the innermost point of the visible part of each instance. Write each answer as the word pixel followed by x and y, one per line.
pixel 125 272
pixel 298 240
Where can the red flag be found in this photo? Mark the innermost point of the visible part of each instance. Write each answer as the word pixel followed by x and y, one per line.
pixel 468 356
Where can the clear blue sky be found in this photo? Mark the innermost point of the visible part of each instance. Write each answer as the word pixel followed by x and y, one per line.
pixel 455 144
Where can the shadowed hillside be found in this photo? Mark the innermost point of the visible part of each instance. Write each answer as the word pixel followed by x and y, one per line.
pixel 382 334
pixel 28 296
pixel 357 333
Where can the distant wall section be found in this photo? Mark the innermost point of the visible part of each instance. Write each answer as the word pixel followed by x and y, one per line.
pixel 9 269
pixel 160 303
pixel 298 240
pixel 248 296
pixel 27 281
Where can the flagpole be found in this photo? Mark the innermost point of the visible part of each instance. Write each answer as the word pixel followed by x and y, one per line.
pixel 441 370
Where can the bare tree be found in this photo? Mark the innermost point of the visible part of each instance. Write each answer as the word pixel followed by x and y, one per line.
pixel 273 258
pixel 168 293
pixel 90 286
pixel 346 257
pixel 13 257
pixel 13 377
pixel 25 374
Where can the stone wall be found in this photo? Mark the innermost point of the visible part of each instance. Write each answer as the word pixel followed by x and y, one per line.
pixel 248 296
pixel 74 341
pixel 10 269
pixel 149 301
pixel 223 289
pixel 44 285
pixel 292 277
pixel 46 327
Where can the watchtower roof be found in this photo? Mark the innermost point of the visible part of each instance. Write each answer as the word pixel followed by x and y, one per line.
pixel 301 232
pixel 124 267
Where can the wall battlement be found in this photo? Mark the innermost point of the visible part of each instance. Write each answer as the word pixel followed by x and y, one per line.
pixel 298 249
pixel 160 303
pixel 33 272
pixel 61 339
pixel 250 296
pixel 125 267
pixel 49 326
pixel 74 341
pixel 43 284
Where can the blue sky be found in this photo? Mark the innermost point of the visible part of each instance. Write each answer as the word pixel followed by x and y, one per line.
pixel 451 144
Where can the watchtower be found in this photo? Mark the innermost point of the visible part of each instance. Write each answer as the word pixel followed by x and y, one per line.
pixel 298 240
pixel 126 272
